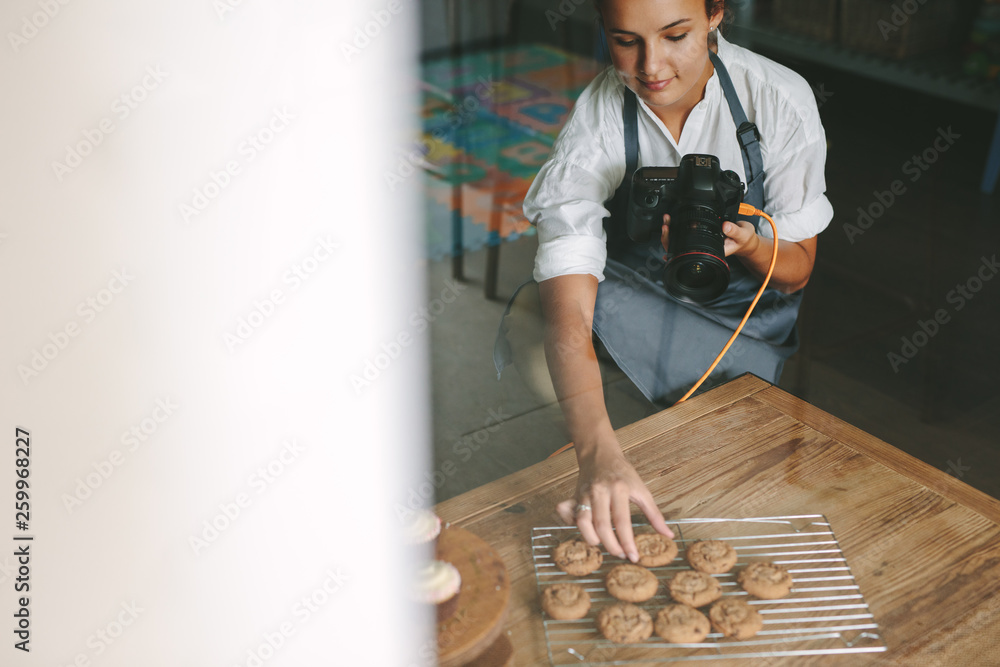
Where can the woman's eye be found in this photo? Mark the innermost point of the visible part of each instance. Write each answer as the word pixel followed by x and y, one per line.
pixel 622 42
pixel 677 38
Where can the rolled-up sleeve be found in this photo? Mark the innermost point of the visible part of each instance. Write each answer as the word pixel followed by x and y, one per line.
pixel 565 204
pixel 566 200
pixel 795 163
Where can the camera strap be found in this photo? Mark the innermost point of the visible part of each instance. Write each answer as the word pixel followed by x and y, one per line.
pixel 746 134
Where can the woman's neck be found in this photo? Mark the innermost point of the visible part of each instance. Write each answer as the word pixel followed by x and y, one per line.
pixel 675 116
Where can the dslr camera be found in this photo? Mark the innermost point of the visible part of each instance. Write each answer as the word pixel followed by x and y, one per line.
pixel 699 196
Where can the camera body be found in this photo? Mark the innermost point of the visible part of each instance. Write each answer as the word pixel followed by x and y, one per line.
pixel 699 196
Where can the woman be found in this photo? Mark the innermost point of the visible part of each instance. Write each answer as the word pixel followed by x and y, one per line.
pixel 694 90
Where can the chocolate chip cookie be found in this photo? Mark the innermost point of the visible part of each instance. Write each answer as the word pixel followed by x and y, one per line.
pixel 734 618
pixel 681 624
pixel 625 623
pixel 711 556
pixel 695 588
pixel 576 557
pixel 631 583
pixel 566 602
pixel 655 549
pixel 765 580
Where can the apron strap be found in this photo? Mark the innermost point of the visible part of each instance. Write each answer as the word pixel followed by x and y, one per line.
pixel 746 134
pixel 630 114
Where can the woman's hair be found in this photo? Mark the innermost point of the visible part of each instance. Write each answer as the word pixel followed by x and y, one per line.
pixel 711 7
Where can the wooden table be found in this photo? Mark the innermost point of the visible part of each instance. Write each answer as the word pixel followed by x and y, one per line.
pixel 923 547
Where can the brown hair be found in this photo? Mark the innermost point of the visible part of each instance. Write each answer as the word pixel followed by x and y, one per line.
pixel 711 8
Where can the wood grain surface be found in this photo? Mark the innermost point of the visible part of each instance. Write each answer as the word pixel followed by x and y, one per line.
pixel 923 547
pixel 482 601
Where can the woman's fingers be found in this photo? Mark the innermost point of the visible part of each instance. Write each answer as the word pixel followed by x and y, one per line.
pixel 566 512
pixel 665 233
pixel 623 523
pixel 738 234
pixel 602 508
pixel 602 526
pixel 653 513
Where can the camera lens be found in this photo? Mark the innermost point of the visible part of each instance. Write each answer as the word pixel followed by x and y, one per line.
pixel 697 272
pixel 696 275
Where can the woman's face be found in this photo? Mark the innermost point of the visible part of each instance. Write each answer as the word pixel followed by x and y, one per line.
pixel 660 49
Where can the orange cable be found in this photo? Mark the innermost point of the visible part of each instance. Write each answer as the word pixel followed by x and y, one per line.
pixel 745 209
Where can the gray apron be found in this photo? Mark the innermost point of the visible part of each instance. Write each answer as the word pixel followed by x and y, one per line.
pixel 664 345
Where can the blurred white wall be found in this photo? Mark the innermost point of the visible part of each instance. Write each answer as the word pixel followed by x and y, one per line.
pixel 198 255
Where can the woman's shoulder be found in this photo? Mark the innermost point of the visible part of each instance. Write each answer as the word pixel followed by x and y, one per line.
pixel 595 119
pixel 602 98
pixel 771 86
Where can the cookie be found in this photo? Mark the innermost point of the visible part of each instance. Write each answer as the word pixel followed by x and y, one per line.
pixel 766 580
pixel 566 602
pixel 631 583
pixel 681 624
pixel 655 549
pixel 625 623
pixel 696 589
pixel 734 618
pixel 711 556
pixel 578 558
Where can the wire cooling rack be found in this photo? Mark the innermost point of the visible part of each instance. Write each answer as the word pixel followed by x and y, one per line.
pixel 823 614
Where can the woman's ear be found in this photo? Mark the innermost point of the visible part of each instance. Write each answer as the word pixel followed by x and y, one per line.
pixel 715 20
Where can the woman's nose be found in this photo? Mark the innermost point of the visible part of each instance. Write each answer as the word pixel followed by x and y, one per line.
pixel 652 59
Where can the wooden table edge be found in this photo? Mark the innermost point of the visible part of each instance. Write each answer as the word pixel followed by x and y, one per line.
pixel 882 452
pixel 558 468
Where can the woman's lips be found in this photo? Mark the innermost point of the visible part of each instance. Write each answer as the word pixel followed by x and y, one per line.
pixel 655 85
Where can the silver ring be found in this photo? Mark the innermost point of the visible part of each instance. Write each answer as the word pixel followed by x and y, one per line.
pixel 582 508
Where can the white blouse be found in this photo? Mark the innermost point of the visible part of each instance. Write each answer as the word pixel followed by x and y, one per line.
pixel 566 199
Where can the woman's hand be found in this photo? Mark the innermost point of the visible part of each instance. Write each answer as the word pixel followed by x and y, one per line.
pixel 606 485
pixel 741 238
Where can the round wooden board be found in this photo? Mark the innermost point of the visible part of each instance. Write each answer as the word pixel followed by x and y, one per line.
pixel 482 600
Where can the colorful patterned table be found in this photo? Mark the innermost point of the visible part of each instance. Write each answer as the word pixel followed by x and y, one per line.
pixel 489 121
